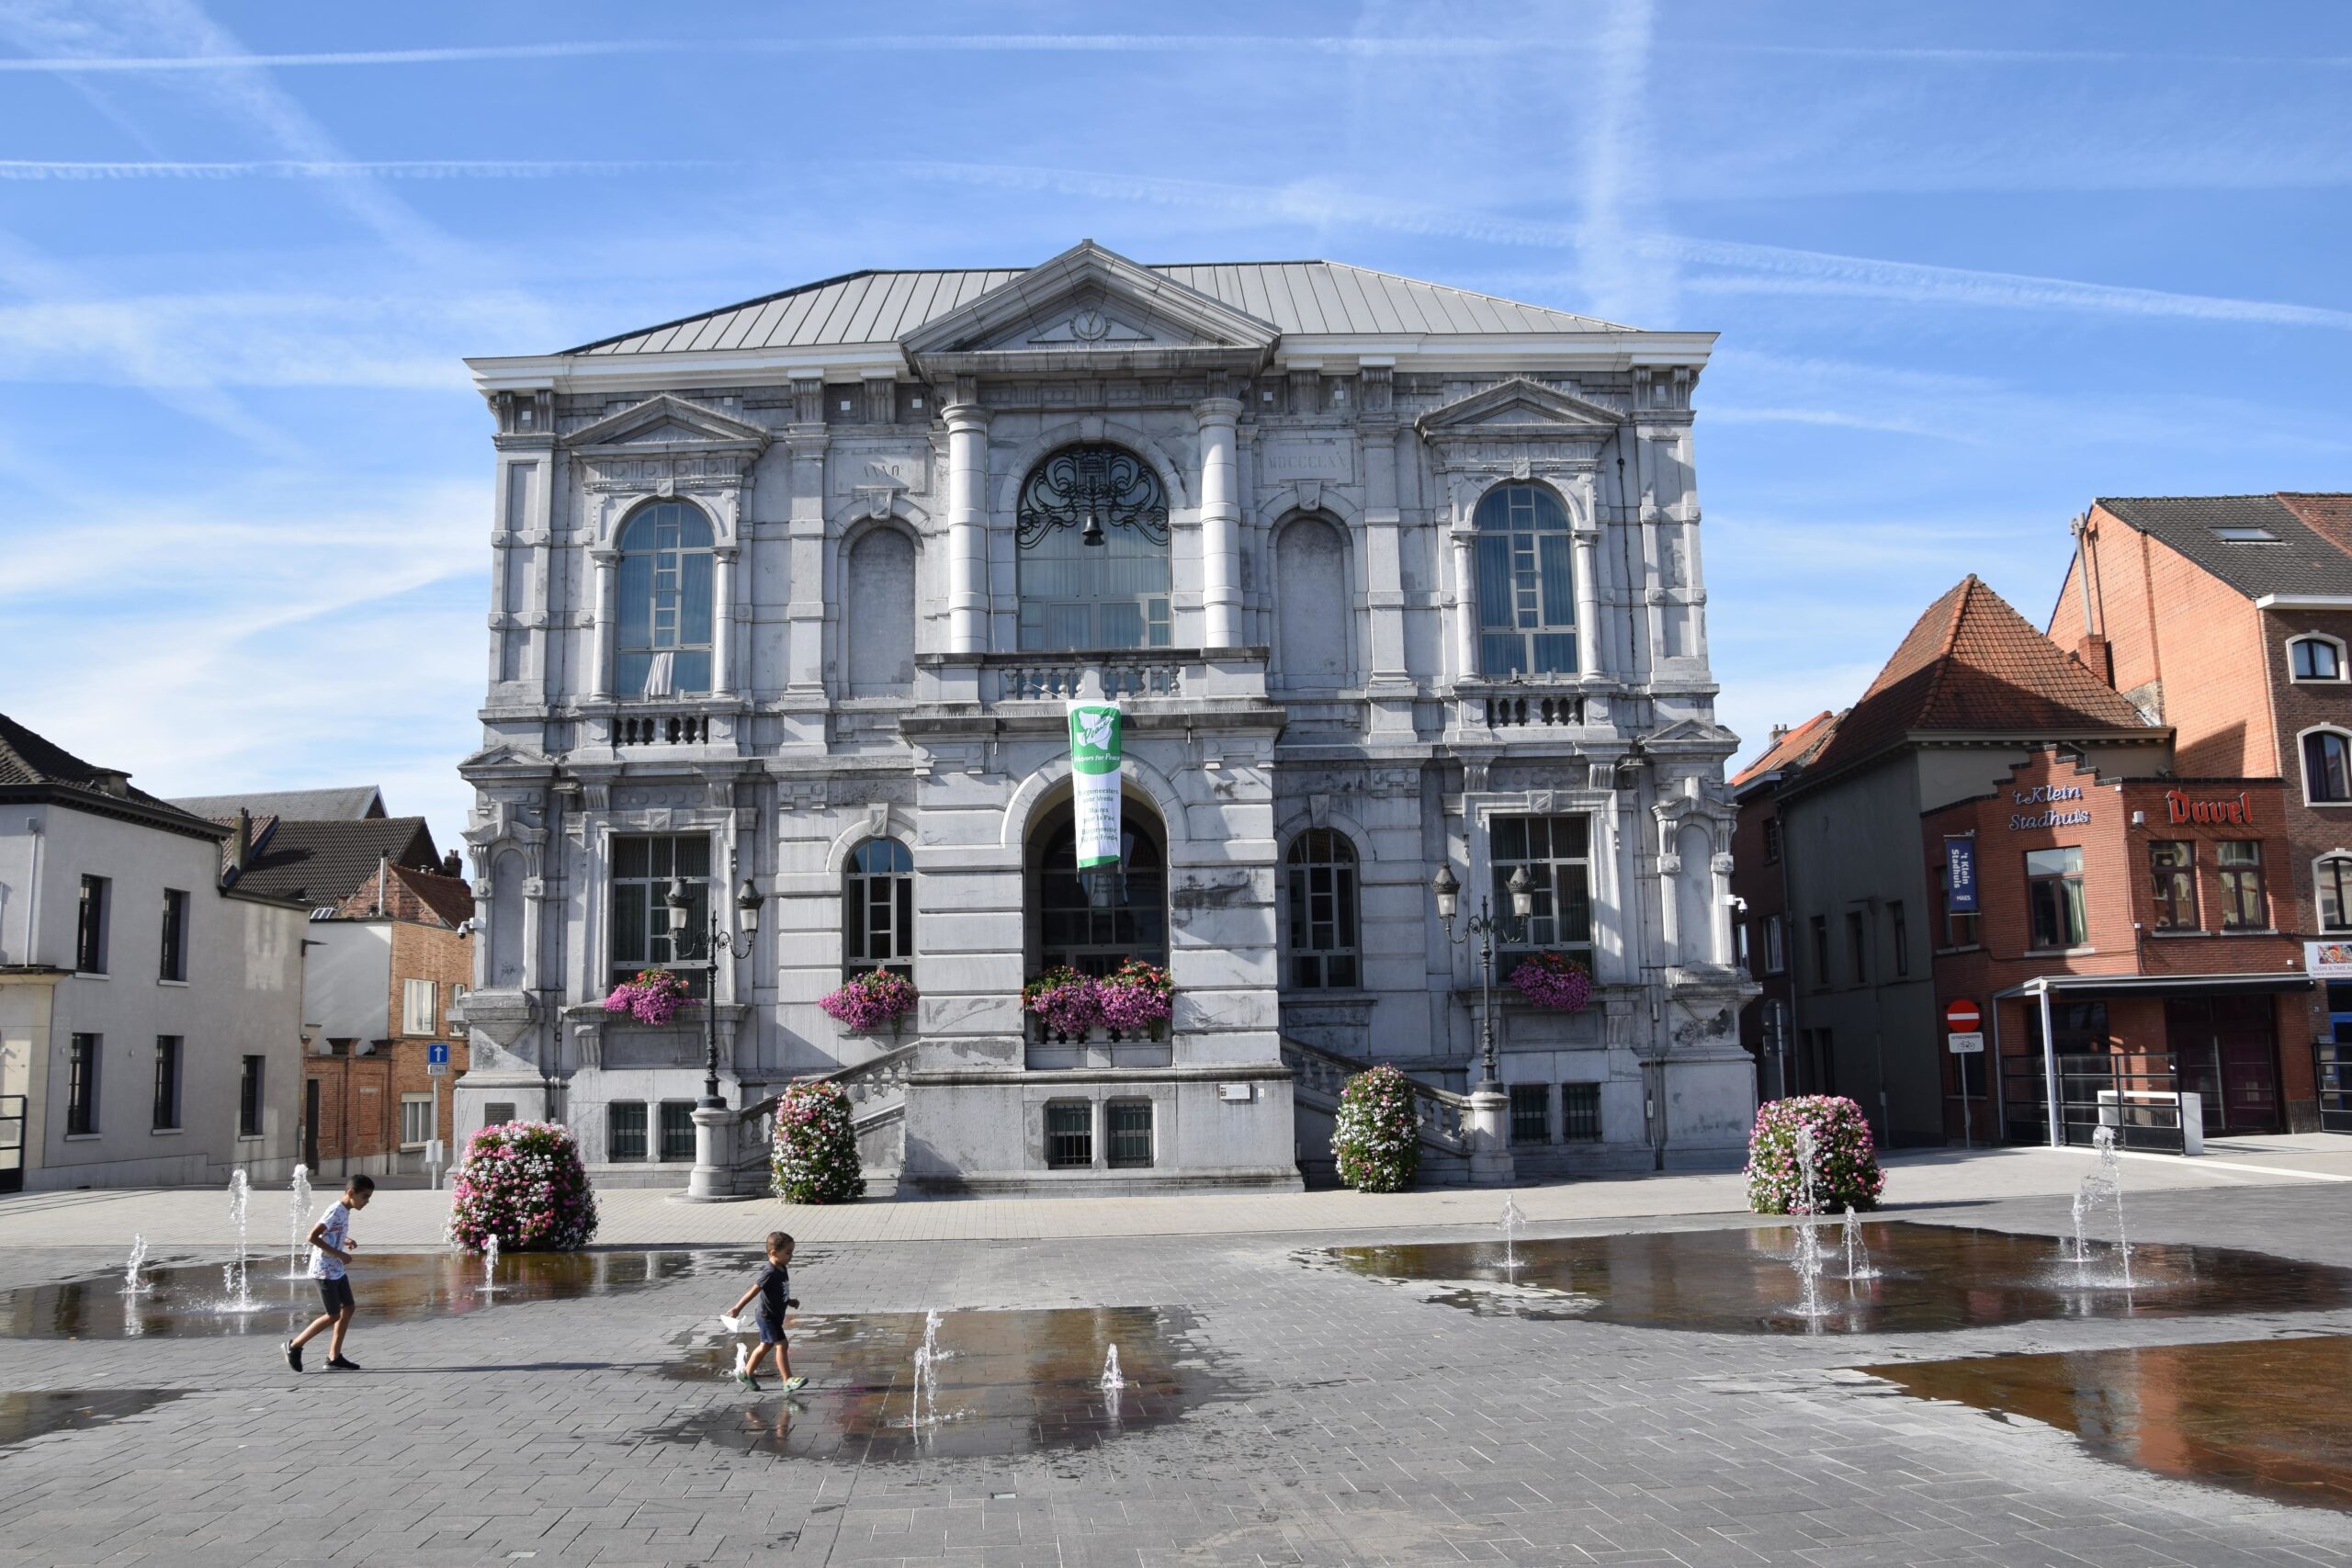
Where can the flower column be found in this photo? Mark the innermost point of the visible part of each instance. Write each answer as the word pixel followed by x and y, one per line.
pixel 967 521
pixel 1220 523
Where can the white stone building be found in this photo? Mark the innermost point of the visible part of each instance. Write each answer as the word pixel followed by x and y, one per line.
pixel 1388 575
pixel 150 1019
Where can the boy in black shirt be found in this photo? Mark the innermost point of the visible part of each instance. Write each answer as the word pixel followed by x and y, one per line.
pixel 772 1287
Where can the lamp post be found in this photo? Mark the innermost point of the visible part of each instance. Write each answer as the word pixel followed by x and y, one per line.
pixel 1483 926
pixel 710 1181
pixel 1490 1156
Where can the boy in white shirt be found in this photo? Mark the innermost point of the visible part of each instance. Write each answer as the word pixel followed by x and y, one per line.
pixel 331 1248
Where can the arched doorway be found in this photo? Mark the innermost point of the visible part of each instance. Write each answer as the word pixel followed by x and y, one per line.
pixel 1097 924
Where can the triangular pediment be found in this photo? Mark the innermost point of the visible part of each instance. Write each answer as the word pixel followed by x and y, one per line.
pixel 665 421
pixel 1090 299
pixel 1690 731
pixel 1519 404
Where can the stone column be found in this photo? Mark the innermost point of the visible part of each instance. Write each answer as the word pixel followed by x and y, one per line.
pixel 968 522
pixel 1487 1127
pixel 722 622
pixel 607 566
pixel 1720 948
pixel 1587 587
pixel 1465 609
pixel 1220 523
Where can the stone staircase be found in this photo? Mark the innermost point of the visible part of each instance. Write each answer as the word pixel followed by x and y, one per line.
pixel 877 1096
pixel 1318 1078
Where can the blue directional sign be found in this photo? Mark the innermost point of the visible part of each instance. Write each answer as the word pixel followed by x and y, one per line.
pixel 436 1055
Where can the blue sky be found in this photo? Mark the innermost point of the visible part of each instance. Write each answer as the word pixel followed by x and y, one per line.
pixel 1973 266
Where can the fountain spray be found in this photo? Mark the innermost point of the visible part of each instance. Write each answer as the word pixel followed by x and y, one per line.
pixel 926 1409
pixel 297 1224
pixel 2104 1184
pixel 1858 1251
pixel 1512 1220
pixel 1111 1378
pixel 1806 1260
pixel 234 1277
pixel 132 1284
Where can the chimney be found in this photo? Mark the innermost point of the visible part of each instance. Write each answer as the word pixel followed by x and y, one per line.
pixel 451 865
pixel 1780 733
pixel 2094 654
pixel 242 850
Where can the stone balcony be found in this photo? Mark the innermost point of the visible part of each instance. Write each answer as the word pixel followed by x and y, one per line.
pixel 1148 680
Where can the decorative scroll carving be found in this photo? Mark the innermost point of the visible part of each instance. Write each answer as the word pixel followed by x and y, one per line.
pixel 1107 485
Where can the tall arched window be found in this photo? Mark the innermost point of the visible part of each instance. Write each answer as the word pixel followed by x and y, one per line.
pixel 878 909
pixel 1321 873
pixel 1092 557
pixel 1527 608
pixel 664 643
pixel 2327 767
pixel 1095 923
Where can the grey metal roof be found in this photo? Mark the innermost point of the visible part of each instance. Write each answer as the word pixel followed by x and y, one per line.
pixel 349 805
pixel 1290 297
pixel 2302 560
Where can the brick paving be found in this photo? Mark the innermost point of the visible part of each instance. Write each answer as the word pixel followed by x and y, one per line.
pixel 1355 1422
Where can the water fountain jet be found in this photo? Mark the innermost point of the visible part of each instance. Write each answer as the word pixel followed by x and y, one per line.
pixel 297 1224
pixel 1512 1220
pixel 132 1285
pixel 1858 1251
pixel 2104 1184
pixel 1111 1378
pixel 1806 1259
pixel 236 1277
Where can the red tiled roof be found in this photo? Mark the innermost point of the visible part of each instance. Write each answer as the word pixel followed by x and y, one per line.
pixel 1794 747
pixel 1971 665
pixel 2328 515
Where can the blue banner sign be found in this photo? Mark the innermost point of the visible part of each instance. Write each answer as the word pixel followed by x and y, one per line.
pixel 1959 875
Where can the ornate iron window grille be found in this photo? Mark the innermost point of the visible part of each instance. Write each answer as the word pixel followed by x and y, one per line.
pixel 1092 488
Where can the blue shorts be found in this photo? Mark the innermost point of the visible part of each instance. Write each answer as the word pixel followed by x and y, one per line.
pixel 771 1329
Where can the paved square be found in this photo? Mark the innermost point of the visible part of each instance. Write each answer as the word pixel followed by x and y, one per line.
pixel 1341 1419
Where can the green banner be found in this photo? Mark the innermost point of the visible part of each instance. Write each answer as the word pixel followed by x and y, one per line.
pixel 1094 755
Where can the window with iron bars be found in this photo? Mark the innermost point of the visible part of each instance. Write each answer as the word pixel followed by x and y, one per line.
pixel 1070 1135
pixel 1580 1113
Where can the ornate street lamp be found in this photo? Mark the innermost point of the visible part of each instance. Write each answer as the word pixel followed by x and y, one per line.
pixel 1485 927
pixel 709 1179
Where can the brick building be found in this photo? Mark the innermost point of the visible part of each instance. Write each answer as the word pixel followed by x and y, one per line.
pixel 390 949
pixel 1766 1024
pixel 2147 920
pixel 2229 620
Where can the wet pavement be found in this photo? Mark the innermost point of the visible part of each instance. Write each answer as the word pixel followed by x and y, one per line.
pixel 1007 1384
pixel 2268 1416
pixel 1925 1278
pixel 24 1417
pixel 181 1299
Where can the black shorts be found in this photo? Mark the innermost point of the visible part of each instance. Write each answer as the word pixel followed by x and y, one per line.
pixel 335 1295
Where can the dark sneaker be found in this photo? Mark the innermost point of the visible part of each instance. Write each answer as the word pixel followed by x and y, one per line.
pixel 293 1356
pixel 337 1363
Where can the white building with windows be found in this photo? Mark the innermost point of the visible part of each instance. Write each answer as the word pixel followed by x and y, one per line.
pixel 150 1016
pixel 1386 575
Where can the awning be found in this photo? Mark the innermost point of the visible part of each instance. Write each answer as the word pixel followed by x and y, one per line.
pixel 2157 984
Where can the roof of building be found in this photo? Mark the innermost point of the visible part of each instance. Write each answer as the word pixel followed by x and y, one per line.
pixel 322 863
pixel 1971 665
pixel 349 804
pixel 1291 297
pixel 1792 747
pixel 31 765
pixel 2254 544
pixel 412 893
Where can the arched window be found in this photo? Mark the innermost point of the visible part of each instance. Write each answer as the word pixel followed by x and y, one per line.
pixel 664 644
pixel 1526 593
pixel 2316 658
pixel 878 909
pixel 2332 881
pixel 2328 766
pixel 1095 923
pixel 1092 557
pixel 1321 874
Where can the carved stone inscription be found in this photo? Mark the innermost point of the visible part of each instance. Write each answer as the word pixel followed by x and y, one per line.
pixel 1296 457
pixel 853 471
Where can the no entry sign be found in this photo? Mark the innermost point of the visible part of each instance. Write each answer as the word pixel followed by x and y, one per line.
pixel 1963 1017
